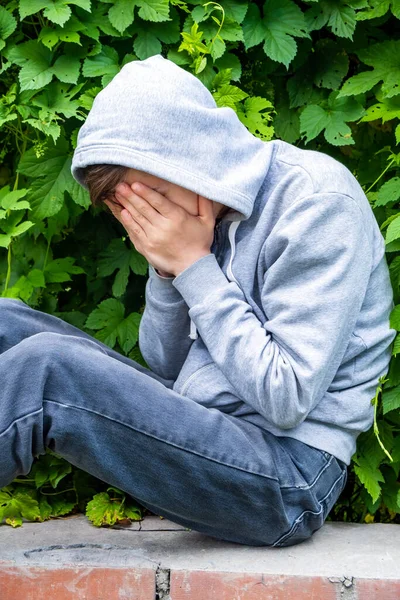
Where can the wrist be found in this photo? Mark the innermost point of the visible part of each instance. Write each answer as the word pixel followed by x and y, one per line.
pixel 163 273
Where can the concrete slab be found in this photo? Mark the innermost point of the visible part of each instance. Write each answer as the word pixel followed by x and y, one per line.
pixel 338 550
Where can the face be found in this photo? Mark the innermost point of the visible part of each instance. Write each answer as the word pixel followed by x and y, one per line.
pixel 176 193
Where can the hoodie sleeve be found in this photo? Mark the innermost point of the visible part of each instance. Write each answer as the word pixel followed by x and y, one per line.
pixel 164 327
pixel 318 261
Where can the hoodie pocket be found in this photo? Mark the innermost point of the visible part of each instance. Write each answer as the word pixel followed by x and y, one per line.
pixel 208 386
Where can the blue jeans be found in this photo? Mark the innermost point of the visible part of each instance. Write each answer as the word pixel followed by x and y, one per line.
pixel 117 420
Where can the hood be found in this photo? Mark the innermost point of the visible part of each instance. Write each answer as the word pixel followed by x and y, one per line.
pixel 156 117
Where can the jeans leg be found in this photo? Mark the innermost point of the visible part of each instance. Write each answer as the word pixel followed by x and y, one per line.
pixel 196 466
pixel 19 321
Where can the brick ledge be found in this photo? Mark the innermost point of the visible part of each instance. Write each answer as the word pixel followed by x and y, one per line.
pixel 70 559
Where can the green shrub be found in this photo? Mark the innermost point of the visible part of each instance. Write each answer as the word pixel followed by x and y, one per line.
pixel 321 74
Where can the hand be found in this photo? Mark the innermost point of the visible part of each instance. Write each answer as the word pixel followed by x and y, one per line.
pixel 170 238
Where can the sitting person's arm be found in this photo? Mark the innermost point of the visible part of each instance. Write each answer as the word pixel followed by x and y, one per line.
pixel 164 327
pixel 318 262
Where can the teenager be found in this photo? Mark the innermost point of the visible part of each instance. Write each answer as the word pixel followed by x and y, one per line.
pixel 266 323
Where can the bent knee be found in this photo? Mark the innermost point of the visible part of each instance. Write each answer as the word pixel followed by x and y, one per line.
pixel 59 346
pixel 11 304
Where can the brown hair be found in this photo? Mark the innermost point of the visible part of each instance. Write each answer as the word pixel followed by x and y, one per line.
pixel 102 180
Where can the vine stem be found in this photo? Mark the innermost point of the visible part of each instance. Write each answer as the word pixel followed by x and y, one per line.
pixel 8 267
pixel 56 493
pixel 381 175
pixel 9 252
pixel 47 253
pixel 374 401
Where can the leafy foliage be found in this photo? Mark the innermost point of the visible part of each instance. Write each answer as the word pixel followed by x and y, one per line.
pixel 321 74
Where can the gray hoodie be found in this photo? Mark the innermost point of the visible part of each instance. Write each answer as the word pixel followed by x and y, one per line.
pixel 286 322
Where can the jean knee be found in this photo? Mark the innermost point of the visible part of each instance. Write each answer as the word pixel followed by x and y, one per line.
pixel 10 303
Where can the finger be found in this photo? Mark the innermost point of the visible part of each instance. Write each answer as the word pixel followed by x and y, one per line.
pixel 206 209
pixel 114 207
pixel 124 217
pixel 132 227
pixel 137 215
pixel 157 201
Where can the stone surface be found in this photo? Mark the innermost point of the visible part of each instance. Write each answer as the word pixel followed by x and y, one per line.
pixel 70 559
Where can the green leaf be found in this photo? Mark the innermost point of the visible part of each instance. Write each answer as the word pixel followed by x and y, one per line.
pixel 287 123
pixel 30 7
pixel 118 256
pixel 230 61
pixel 35 60
pixel 330 64
pixel 254 28
pixel 104 63
pixel 337 14
pixel 389 192
pixel 52 177
pixel 332 117
pixel 313 120
pixel 48 37
pixel 230 31
pixel 146 44
pixel 19 229
pixel 395 318
pixel 67 68
pixel 102 510
pixel 228 95
pixel 121 14
pixel 376 9
pixel 385 60
pixel 369 476
pixel 154 10
pixel 5 240
pixel 60 269
pixel 57 11
pixel 15 507
pixel 36 278
pixel 390 400
pixel 387 109
pixel 85 4
pixel 283 20
pixel 56 99
pixel 257 122
pixel 49 469
pixel 8 25
pixel 393 231
pixel 235 9
pixel 78 193
pixel 86 99
pixel 109 319
pixel 12 200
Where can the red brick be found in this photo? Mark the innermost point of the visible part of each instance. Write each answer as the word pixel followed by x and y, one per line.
pixel 201 585
pixel 384 589
pixel 79 583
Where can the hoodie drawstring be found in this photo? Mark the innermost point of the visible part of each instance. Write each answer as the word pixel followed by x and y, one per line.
pixel 232 231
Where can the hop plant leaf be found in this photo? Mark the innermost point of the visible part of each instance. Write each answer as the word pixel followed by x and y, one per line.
pixel 282 22
pixel 385 60
pixel 331 117
pixel 111 324
pixel 15 507
pixel 104 510
pixel 118 256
